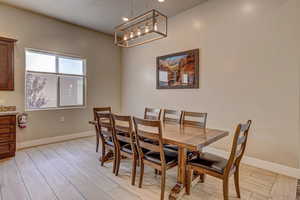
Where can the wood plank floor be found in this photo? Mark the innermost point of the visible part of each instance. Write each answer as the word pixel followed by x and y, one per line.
pixel 71 171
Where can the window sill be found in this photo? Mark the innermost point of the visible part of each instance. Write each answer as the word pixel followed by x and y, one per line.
pixel 50 109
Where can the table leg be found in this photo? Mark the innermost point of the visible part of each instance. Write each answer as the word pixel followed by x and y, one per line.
pixel 179 189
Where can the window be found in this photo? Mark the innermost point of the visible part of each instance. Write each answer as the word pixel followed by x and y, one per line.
pixel 54 81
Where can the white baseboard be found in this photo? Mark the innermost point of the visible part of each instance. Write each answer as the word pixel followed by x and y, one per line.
pixel 50 140
pixel 270 166
pixel 262 164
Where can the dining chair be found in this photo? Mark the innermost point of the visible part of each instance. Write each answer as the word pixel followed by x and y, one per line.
pixel 171 116
pixel 152 113
pixel 196 119
pixel 108 137
pixel 220 167
pixel 157 157
pixel 123 127
pixel 95 111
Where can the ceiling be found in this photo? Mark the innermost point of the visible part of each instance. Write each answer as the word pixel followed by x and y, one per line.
pixel 100 15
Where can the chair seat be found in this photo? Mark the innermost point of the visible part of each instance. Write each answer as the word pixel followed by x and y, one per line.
pixel 171 147
pixel 170 156
pixel 210 162
pixel 127 148
pixel 111 143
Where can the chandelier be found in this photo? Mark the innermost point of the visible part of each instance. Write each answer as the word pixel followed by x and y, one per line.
pixel 142 29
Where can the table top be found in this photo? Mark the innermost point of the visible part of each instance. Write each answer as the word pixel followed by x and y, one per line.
pixel 192 138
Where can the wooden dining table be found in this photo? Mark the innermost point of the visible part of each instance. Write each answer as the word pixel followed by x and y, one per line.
pixel 187 138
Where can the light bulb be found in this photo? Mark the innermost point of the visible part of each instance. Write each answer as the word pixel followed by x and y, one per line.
pixel 139 32
pixel 131 34
pixel 146 29
pixel 125 37
pixel 155 26
pixel 125 19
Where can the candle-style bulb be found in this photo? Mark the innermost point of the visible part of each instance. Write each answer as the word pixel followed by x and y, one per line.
pixel 139 32
pixel 155 26
pixel 131 34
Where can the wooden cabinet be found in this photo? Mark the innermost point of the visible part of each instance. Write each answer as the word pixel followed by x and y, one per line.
pixel 7 136
pixel 7 63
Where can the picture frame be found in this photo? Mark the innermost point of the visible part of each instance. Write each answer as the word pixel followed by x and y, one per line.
pixel 178 70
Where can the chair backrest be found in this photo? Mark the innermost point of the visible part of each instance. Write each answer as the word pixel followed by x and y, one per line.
pixel 194 119
pixel 152 113
pixel 239 145
pixel 151 130
pixel 101 110
pixel 171 116
pixel 105 126
pixel 123 127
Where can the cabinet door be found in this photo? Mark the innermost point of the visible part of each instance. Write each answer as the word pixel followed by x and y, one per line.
pixel 6 65
pixel 7 150
pixel 7 133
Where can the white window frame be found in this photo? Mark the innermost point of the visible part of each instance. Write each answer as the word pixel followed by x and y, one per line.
pixel 57 56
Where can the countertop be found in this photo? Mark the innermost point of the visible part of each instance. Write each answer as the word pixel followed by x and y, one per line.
pixel 9 113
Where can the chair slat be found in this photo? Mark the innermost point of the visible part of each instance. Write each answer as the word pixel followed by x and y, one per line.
pixel 167 116
pixel 194 114
pixel 123 139
pixel 200 122
pixel 152 113
pixel 241 140
pixel 122 129
pixel 244 127
pixel 149 146
pixel 149 135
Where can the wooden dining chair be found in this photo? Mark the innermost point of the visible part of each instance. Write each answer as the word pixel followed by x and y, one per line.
pixel 152 113
pixel 123 127
pixel 219 167
pixel 108 137
pixel 196 119
pixel 95 111
pixel 157 157
pixel 171 116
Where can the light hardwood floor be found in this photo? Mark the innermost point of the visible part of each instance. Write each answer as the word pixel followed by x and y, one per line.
pixel 71 171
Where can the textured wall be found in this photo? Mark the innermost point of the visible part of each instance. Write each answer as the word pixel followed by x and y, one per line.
pixel 250 59
pixel 103 69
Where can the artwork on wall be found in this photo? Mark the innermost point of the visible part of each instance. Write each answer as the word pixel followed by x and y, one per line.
pixel 178 71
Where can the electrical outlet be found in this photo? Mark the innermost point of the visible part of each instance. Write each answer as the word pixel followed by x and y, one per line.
pixel 62 119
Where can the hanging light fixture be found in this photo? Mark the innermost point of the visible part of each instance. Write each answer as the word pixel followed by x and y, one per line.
pixel 142 29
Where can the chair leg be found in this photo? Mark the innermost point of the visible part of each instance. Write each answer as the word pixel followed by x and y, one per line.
pixel 141 174
pixel 118 162
pixel 202 178
pixel 133 170
pixel 236 183
pixel 97 144
pixel 225 189
pixel 189 177
pixel 115 161
pixel 103 154
pixel 162 184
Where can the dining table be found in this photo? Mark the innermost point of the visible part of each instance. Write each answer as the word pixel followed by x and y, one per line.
pixel 188 139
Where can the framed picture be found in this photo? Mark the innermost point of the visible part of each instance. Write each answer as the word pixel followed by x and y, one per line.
pixel 178 71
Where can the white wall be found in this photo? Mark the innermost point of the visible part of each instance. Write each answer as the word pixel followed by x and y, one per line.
pixel 250 59
pixel 103 69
